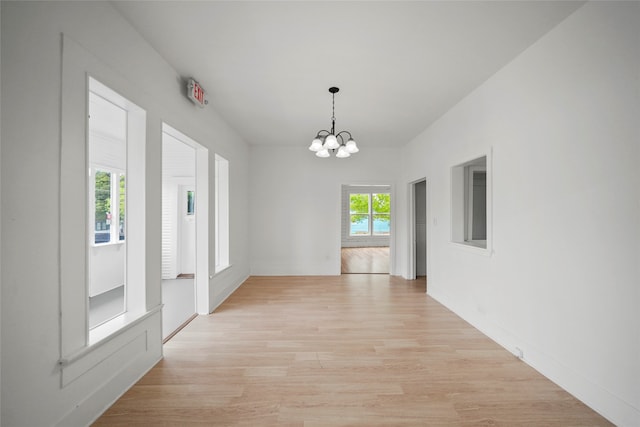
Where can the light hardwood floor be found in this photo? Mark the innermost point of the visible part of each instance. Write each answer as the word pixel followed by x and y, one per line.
pixel 364 260
pixel 351 350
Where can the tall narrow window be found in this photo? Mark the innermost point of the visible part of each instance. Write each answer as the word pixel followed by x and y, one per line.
pixel 221 213
pixel 114 124
pixel 102 132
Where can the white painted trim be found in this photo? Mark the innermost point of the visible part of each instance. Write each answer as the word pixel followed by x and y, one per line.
pixel 346 239
pixel 457 205
pixel 221 271
pixel 202 230
pixel 221 216
pixel 105 338
pixel 411 272
pixel 203 290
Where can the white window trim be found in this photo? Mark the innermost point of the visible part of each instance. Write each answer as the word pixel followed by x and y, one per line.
pixel 201 217
pixel 135 300
pixel 221 216
pixel 469 207
pixel 370 214
pixel 460 201
pixel 78 81
pixel 348 240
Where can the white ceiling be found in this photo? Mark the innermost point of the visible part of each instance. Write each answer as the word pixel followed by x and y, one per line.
pixel 267 66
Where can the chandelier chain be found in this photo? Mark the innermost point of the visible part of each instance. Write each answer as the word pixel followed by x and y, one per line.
pixel 333 107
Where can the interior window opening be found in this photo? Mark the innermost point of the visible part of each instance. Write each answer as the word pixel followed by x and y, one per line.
pixel 115 129
pixel 470 203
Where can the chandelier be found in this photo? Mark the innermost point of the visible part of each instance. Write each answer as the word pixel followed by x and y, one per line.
pixel 330 140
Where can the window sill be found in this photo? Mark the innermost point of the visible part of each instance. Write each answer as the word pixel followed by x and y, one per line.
pixel 221 269
pixel 106 332
pixel 101 245
pixel 474 247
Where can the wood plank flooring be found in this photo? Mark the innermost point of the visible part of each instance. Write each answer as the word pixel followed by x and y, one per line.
pixel 351 350
pixel 365 260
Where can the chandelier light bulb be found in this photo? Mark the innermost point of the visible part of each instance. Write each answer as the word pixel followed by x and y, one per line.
pixel 351 146
pixel 323 153
pixel 342 152
pixel 331 142
pixel 316 144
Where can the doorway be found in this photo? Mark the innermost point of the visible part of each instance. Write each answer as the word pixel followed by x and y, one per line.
pixel 184 230
pixel 366 229
pixel 418 229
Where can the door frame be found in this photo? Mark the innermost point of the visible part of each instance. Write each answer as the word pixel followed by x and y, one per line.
pixel 412 249
pixel 202 303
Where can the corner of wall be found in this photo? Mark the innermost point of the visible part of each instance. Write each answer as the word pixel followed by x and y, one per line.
pixel 232 285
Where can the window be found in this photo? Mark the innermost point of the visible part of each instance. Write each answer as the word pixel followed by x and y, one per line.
pixel 108 186
pixel 221 213
pixel 359 214
pixel 115 129
pixel 476 207
pixel 369 214
pixel 381 209
pixel 88 145
pixel 470 203
pixel 191 199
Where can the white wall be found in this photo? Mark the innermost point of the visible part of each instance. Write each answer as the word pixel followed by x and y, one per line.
pixel 32 390
pixel 296 202
pixel 563 283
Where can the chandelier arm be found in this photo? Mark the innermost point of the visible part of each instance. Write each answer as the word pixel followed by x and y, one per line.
pixel 320 131
pixel 344 131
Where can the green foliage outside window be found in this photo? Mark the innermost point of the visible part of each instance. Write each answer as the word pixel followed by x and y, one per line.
pixel 122 206
pixel 381 203
pixel 359 207
pixel 103 196
pixel 370 213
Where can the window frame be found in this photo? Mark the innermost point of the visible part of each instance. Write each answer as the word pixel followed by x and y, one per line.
pixel 104 352
pixel 469 207
pixel 462 204
pixel 373 214
pixel 367 214
pixel 377 240
pixel 114 234
pixel 134 274
pixel 221 214
pixel 370 214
